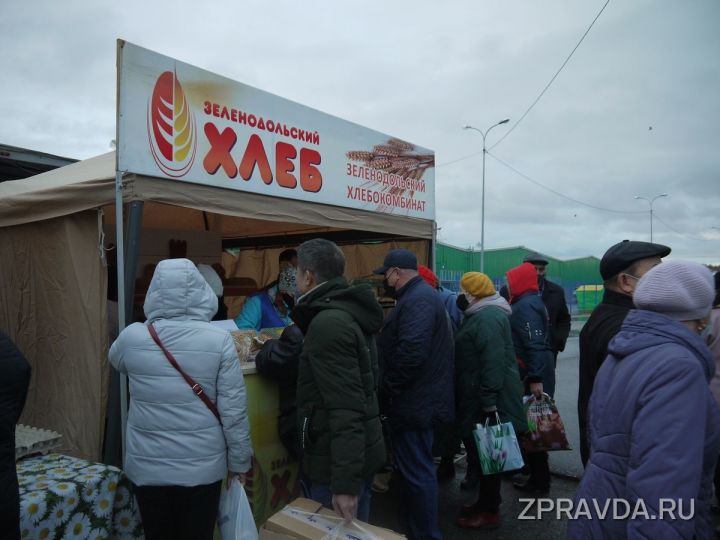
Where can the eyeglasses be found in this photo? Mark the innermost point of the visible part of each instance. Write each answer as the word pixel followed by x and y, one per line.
pixel 387 276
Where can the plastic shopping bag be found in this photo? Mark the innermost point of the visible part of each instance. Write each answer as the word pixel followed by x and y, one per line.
pixel 235 518
pixel 546 431
pixel 498 447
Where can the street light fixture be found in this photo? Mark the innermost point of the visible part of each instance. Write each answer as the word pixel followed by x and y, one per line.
pixel 651 201
pixel 482 222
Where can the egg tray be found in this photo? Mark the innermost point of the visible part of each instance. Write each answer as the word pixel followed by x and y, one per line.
pixel 31 440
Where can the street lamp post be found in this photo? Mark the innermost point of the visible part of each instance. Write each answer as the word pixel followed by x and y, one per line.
pixel 651 201
pixel 482 222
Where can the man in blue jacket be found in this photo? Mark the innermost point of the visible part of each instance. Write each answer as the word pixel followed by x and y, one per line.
pixel 416 388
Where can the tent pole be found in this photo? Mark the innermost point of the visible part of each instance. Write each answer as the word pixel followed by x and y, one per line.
pixel 433 247
pixel 132 239
pixel 120 246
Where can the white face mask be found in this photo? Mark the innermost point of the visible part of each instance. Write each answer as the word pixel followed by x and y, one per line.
pixel 705 332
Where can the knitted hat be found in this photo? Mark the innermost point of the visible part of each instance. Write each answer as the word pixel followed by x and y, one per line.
pixel 681 290
pixel 286 280
pixel 477 284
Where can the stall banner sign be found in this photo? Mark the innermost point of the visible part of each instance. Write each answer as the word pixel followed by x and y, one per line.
pixel 186 124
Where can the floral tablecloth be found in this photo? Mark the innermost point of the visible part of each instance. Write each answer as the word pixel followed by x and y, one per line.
pixel 62 497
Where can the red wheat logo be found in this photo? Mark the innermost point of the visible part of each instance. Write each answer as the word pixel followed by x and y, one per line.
pixel 171 127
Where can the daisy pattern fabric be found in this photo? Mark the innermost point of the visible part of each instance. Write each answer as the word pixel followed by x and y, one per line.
pixel 64 497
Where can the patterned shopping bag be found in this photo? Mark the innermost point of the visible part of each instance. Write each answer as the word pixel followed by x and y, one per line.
pixel 498 447
pixel 546 431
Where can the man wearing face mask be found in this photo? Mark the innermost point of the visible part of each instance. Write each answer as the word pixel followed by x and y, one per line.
pixel 416 388
pixel 621 267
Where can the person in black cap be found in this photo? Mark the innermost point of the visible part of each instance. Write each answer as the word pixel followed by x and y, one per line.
pixel 621 267
pixel 416 385
pixel 553 296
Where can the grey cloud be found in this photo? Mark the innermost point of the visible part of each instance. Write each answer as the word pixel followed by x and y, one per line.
pixel 420 70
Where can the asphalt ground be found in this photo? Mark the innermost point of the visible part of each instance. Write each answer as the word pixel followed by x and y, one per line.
pixel 385 511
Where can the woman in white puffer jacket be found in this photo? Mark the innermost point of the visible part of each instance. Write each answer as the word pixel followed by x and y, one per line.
pixel 177 451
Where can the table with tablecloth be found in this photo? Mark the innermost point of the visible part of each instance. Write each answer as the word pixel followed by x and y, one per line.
pixel 65 497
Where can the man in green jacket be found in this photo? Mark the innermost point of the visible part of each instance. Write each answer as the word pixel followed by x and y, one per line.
pixel 338 414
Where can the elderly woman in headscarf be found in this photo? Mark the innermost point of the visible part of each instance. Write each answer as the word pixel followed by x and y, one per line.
pixel 654 425
pixel 270 307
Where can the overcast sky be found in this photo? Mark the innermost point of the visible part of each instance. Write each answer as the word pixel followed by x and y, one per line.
pixel 420 71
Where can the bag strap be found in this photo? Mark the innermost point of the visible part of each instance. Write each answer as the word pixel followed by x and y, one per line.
pixel 196 388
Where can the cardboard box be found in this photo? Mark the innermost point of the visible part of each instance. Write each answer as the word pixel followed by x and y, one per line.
pixel 304 519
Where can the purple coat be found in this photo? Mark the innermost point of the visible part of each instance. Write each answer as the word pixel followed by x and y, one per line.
pixel 654 432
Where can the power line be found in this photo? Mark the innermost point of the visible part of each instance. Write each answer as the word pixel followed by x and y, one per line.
pixel 553 78
pixel 687 235
pixel 559 194
pixel 458 159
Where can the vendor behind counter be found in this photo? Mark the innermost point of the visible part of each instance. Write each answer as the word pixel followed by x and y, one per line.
pixel 270 307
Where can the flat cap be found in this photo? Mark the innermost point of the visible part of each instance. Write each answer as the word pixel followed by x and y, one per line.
pixel 398 258
pixel 536 258
pixel 622 255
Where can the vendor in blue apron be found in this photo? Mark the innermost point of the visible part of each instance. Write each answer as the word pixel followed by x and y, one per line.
pixel 270 307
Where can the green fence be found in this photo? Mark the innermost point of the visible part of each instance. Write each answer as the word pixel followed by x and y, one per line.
pixel 452 262
pixel 588 296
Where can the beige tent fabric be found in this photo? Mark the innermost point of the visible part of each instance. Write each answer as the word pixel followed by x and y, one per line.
pixel 91 184
pixel 263 208
pixel 52 296
pixel 165 216
pixel 52 304
pixel 261 265
pixel 81 186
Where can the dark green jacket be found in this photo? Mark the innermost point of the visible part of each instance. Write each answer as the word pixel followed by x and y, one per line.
pixel 339 422
pixel 486 371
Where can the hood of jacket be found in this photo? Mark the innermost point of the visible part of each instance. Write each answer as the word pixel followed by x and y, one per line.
pixel 179 292
pixel 495 300
pixel 644 329
pixel 357 300
pixel 521 280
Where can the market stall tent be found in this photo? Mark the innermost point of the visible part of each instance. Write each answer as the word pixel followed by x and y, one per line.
pixel 53 278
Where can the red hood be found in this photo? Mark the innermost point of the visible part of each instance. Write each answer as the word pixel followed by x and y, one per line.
pixel 522 279
pixel 428 275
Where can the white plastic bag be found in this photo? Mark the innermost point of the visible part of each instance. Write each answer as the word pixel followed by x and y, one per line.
pixel 235 518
